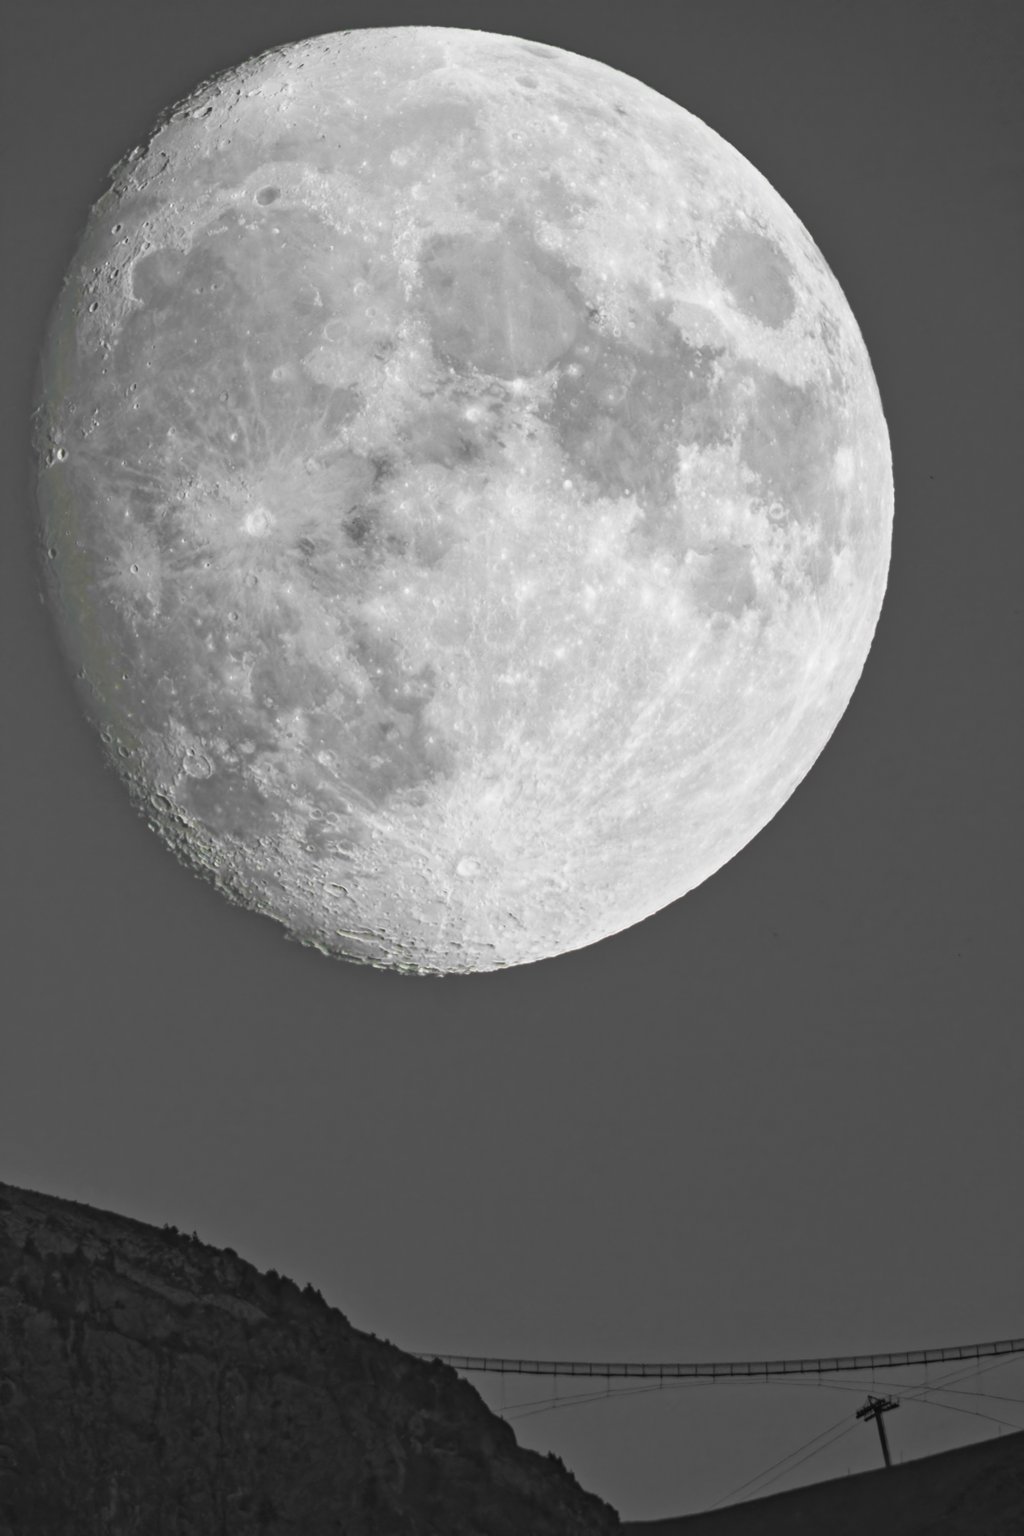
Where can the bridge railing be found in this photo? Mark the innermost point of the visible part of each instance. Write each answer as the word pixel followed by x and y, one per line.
pixel 714 1369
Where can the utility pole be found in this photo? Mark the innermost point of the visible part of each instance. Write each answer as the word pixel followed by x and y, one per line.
pixel 873 1409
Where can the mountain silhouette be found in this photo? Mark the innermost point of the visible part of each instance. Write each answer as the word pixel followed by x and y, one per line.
pixel 151 1385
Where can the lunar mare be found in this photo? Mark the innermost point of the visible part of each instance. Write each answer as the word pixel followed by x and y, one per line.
pixel 465 492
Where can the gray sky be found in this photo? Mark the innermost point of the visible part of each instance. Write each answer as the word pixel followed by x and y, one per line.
pixel 780 1117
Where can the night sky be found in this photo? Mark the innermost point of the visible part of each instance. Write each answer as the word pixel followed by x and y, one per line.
pixel 781 1117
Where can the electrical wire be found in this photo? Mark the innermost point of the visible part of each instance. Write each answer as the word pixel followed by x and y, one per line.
pixel 829 1436
pixel 920 1392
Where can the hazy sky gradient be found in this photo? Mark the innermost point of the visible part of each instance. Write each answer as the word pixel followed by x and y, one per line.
pixel 781 1117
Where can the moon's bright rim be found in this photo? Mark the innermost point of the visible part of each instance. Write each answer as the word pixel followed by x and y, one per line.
pixel 467 495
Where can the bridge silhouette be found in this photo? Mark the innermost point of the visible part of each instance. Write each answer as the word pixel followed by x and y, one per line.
pixel 822 1365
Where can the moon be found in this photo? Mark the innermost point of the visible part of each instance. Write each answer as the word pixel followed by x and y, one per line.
pixel 464 494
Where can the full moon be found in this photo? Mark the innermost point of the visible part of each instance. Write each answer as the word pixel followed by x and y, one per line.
pixel 464 494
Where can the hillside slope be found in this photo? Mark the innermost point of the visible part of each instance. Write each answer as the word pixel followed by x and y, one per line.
pixel 153 1386
pixel 977 1490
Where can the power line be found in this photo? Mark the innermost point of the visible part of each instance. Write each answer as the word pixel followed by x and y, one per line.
pixel 919 1392
pixel 832 1435
pixel 696 1374
pixel 718 1369
pixel 972 1413
pixel 836 1431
